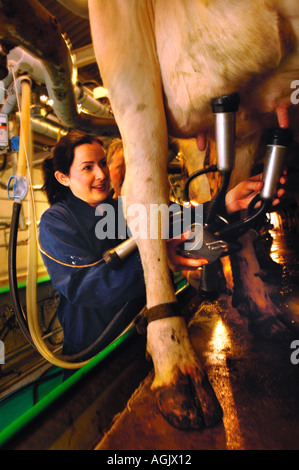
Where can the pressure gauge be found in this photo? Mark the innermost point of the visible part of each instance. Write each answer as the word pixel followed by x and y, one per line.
pixel 3 130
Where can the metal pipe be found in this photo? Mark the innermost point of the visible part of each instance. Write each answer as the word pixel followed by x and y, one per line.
pixel 92 105
pixel 78 7
pixel 21 60
pixel 30 25
pixel 44 128
pixel 84 56
pixel 11 100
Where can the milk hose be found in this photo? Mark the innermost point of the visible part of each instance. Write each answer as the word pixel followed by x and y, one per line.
pixel 29 323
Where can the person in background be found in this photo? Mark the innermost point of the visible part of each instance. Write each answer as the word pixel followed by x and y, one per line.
pixel 116 165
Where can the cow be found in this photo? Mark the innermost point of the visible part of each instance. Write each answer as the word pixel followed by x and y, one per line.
pixel 162 62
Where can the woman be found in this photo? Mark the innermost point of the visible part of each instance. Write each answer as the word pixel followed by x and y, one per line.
pixel 96 302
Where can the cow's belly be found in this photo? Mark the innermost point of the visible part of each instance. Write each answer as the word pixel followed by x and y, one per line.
pixel 206 49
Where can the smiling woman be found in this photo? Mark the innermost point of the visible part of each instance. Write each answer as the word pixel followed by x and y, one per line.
pixel 96 304
pixel 62 168
pixel 88 178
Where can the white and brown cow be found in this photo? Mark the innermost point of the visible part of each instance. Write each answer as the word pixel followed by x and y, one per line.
pixel 162 62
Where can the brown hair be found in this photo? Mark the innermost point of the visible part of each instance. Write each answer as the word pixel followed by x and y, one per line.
pixel 61 160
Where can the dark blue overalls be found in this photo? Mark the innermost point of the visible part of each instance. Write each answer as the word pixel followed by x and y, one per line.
pixel 90 298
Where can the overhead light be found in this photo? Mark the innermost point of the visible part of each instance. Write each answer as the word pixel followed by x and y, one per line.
pixel 46 100
pixel 100 92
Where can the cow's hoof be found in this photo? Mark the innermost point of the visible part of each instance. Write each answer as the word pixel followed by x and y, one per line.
pixel 189 404
pixel 176 403
pixel 206 399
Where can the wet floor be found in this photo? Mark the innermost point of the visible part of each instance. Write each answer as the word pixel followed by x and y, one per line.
pixel 256 381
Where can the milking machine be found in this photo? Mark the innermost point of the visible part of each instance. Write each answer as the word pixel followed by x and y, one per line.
pixel 216 236
pixel 225 234
pixel 278 141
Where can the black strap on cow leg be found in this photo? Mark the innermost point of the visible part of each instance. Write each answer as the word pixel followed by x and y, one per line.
pixel 163 311
pixel 156 313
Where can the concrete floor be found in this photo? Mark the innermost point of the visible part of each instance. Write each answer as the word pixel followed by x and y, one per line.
pixel 255 381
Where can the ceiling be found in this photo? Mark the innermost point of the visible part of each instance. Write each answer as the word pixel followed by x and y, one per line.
pixel 78 31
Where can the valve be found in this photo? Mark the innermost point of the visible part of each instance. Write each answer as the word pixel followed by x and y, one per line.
pixel 20 187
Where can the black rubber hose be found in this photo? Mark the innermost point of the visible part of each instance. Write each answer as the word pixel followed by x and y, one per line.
pixel 4 162
pixel 210 169
pixel 254 201
pixel 119 322
pixel 213 206
pixel 12 251
pixel 241 226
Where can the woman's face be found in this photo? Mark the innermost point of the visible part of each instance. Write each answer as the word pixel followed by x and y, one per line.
pixel 88 178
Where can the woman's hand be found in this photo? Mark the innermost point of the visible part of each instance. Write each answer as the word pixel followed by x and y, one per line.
pixel 241 195
pixel 178 262
pixel 193 277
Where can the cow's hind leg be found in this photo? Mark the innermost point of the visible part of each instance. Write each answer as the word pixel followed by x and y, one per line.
pixel 125 48
pixel 252 297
